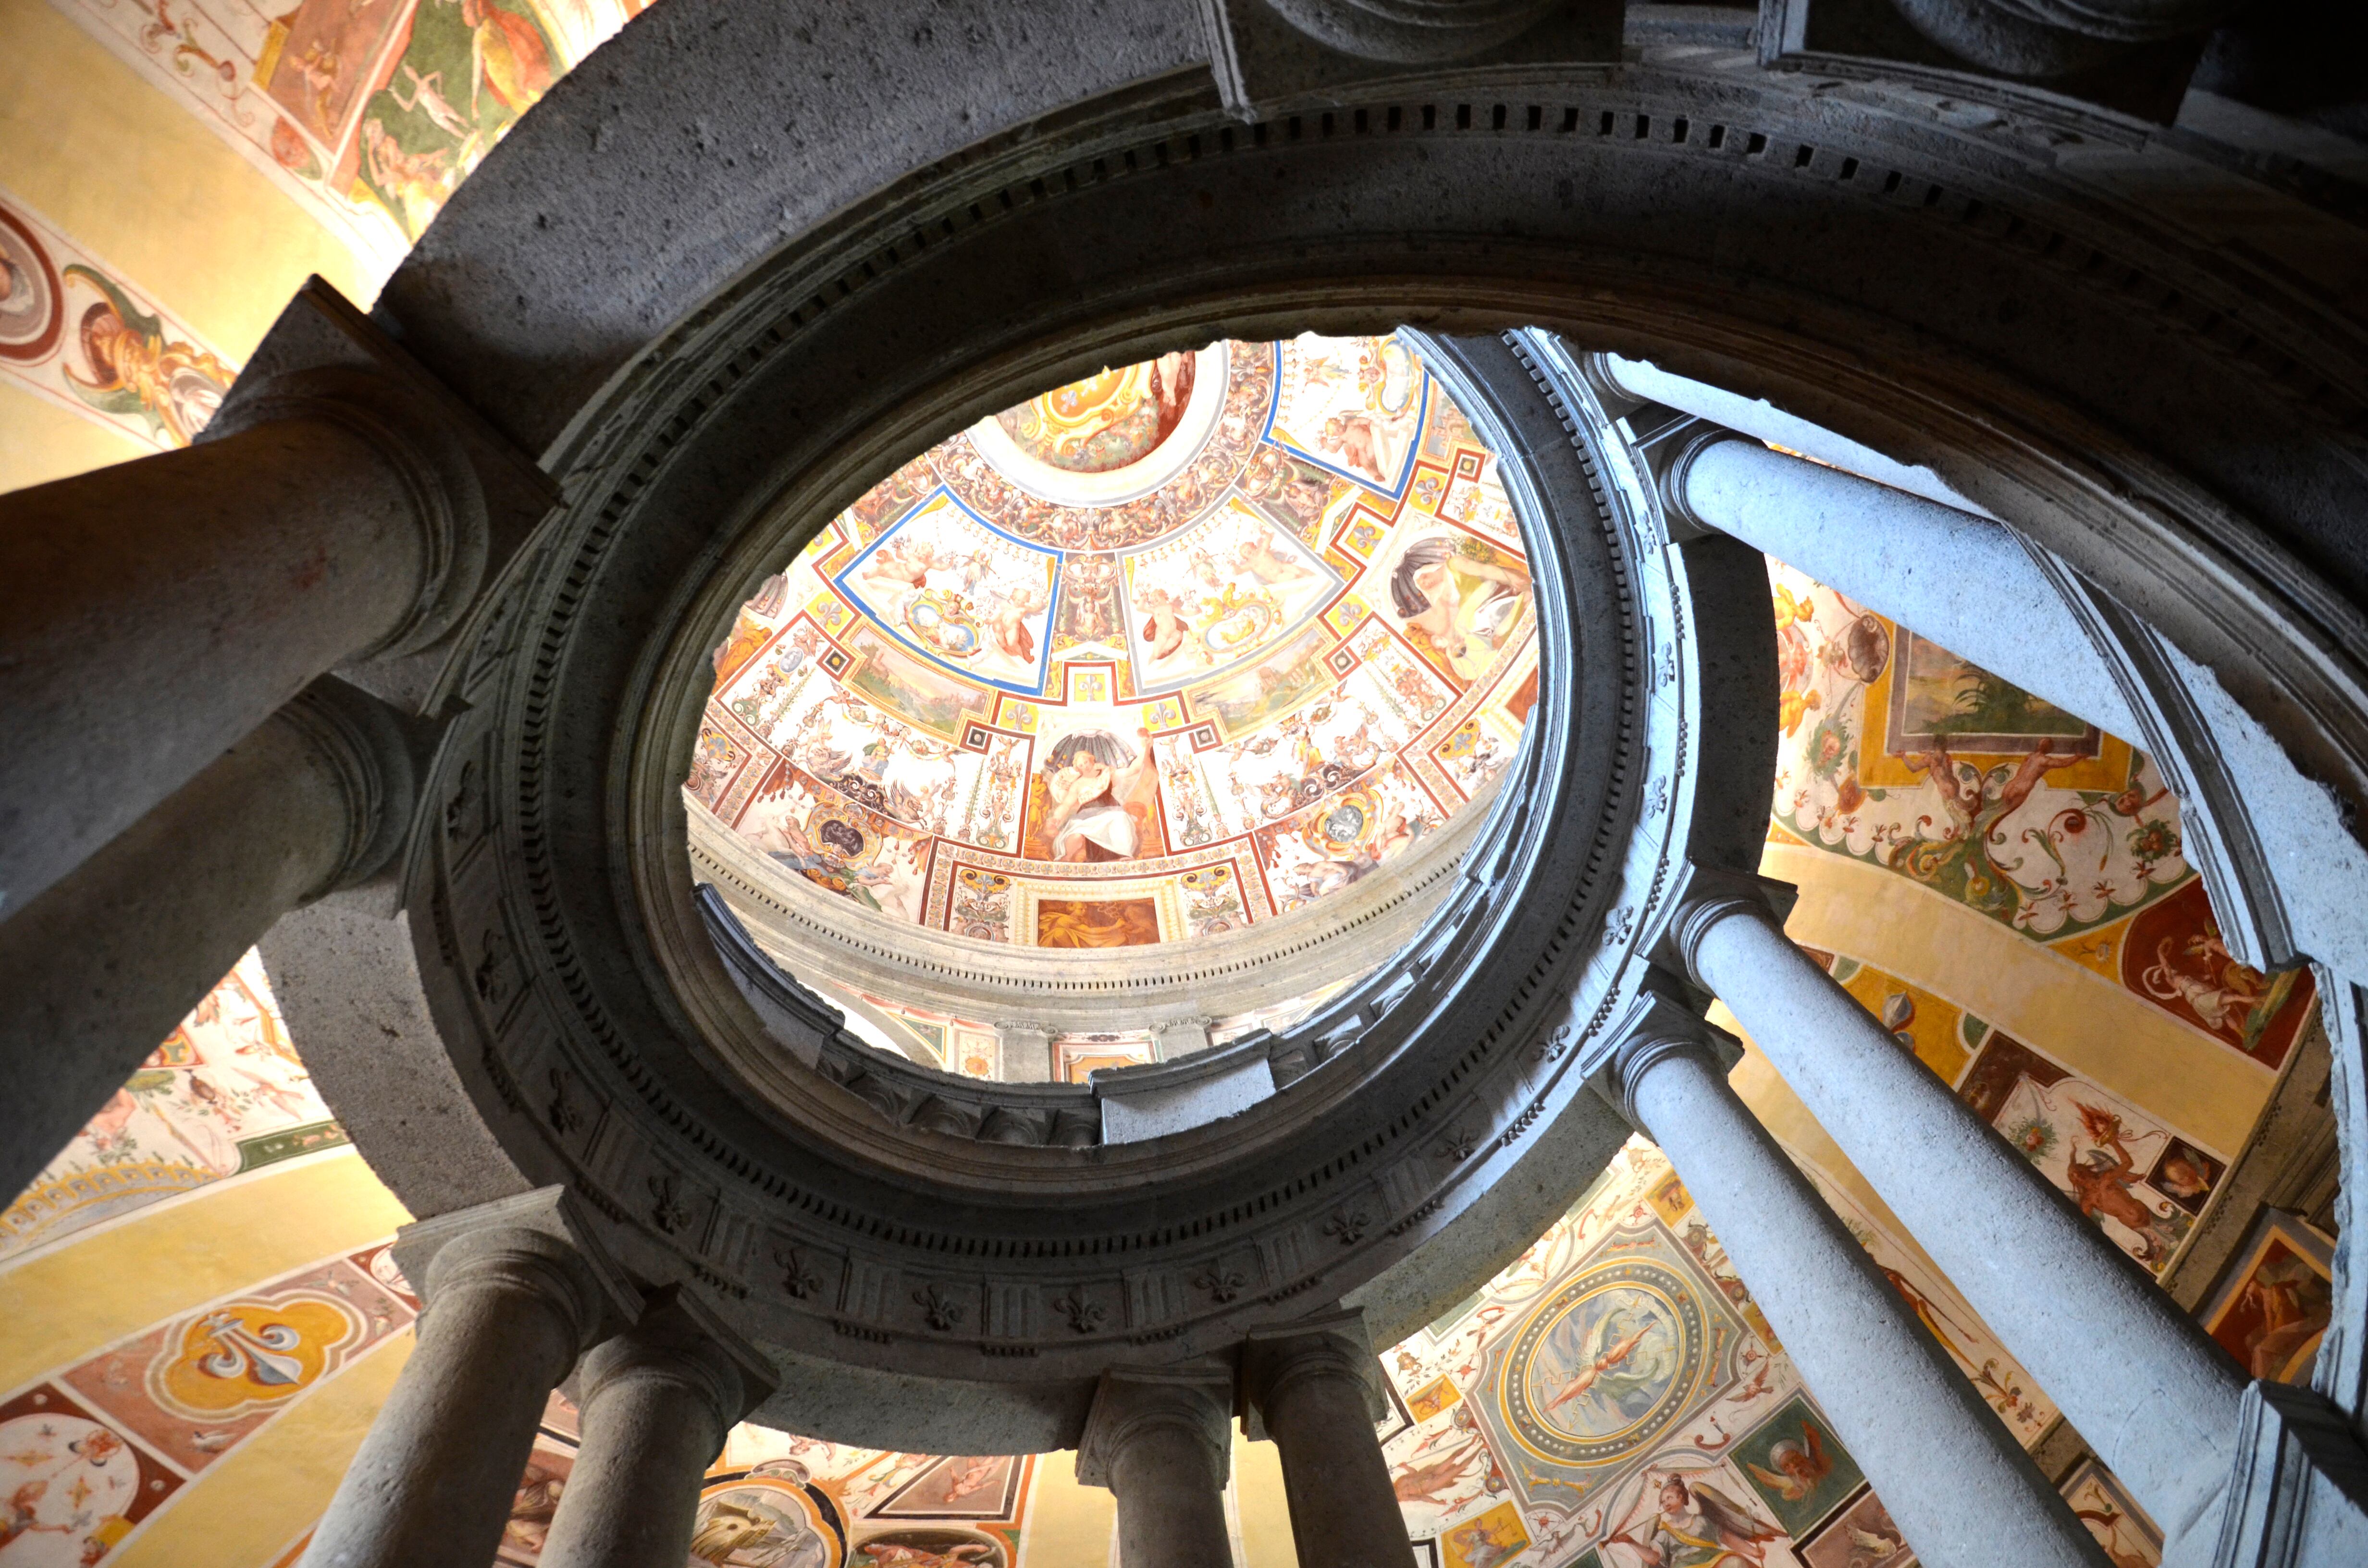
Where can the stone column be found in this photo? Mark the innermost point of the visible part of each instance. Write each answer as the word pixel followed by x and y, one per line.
pixel 1962 1490
pixel 1315 1389
pixel 2151 1392
pixel 1023 1052
pixel 658 1403
pixel 1902 555
pixel 1175 1037
pixel 514 1293
pixel 102 966
pixel 154 613
pixel 1160 1441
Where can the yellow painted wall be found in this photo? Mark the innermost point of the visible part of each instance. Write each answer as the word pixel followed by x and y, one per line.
pixel 1266 1513
pixel 147 185
pixel 39 441
pixel 148 188
pixel 1069 1524
pixel 2081 1019
pixel 60 1303
pixel 247 1506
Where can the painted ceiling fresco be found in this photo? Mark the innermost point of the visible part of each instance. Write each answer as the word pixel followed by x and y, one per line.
pixel 1158 655
pixel 366 113
pixel 72 332
pixel 1899 754
pixel 224 1094
pixel 2143 1181
pixel 1509 1446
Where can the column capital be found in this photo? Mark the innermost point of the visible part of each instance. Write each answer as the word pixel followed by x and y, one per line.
pixel 478 494
pixel 369 750
pixel 1195 1400
pixel 428 461
pixel 1708 894
pixel 2299 1490
pixel 1335 1344
pixel 680 1341
pixel 1652 1029
pixel 1669 455
pixel 540 1243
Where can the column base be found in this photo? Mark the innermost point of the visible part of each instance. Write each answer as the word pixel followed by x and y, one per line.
pixel 2298 1497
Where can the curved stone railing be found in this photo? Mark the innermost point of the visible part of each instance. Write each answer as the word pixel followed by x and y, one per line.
pixel 1271 962
pixel 1156 1097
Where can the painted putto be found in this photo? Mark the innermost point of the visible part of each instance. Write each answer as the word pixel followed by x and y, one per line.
pixel 1174 650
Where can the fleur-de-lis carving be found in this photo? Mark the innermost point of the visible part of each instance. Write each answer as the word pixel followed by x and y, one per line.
pixel 564 1117
pixel 1656 798
pixel 939 1309
pixel 493 970
pixel 1223 1284
pixel 456 809
pixel 1083 1316
pixel 797 1277
pixel 1616 928
pixel 1557 1041
pixel 1457 1146
pixel 1347 1226
pixel 668 1212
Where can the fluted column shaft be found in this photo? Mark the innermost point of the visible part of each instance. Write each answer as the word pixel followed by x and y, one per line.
pixel 100 969
pixel 507 1311
pixel 1160 1441
pixel 2151 1392
pixel 155 612
pixel 1317 1391
pixel 1953 1477
pixel 658 1403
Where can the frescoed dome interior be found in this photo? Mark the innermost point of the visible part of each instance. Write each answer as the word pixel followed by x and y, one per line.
pixel 1227 656
pixel 1164 655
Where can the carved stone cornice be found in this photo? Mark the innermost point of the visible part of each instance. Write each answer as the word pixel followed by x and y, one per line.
pixel 875 1220
pixel 806 930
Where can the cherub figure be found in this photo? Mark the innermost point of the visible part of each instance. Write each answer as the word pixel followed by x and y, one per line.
pixel 1007 624
pixel 1164 626
pixel 1256 556
pixel 1799 1466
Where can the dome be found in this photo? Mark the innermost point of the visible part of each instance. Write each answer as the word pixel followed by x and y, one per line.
pixel 1204 647
pixel 1780 690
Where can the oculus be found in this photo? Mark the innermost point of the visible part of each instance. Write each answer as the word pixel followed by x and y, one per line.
pixel 1167 653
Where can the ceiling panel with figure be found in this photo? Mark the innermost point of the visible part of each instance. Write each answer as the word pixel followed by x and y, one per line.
pixel 1160 654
